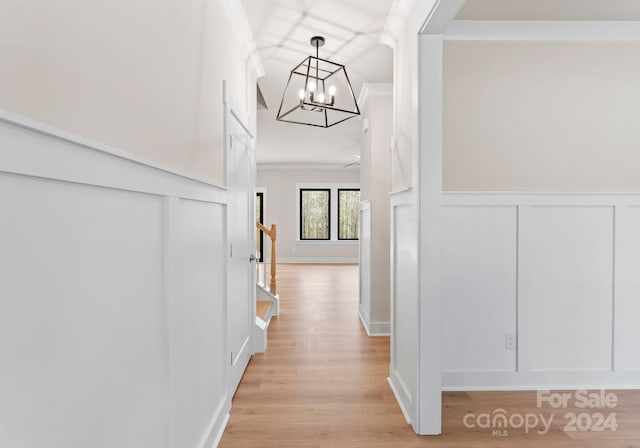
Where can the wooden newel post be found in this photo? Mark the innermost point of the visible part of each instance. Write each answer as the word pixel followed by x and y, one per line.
pixel 272 285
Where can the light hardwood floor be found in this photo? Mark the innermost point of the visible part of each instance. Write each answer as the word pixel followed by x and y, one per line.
pixel 322 384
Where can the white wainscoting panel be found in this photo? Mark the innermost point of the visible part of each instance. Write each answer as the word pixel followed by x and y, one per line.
pixel 479 300
pixel 365 264
pixel 112 297
pixel 566 272
pixel 81 316
pixel 627 290
pixel 197 356
pixel 574 282
pixel 404 305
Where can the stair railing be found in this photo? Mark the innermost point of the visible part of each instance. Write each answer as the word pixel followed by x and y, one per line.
pixel 271 233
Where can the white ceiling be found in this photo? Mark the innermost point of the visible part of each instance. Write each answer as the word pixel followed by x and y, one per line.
pixel 551 10
pixel 282 29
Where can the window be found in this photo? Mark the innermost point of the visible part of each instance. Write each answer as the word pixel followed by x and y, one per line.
pixel 328 213
pixel 348 213
pixel 315 214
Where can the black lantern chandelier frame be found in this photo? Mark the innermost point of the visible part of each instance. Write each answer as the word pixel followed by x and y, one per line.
pixel 316 97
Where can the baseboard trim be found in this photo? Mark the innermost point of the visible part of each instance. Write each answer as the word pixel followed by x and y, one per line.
pixel 400 400
pixel 318 260
pixel 218 435
pixel 217 426
pixel 374 328
pixel 505 381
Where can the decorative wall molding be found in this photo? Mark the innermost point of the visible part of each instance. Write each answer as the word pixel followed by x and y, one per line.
pixel 374 328
pixel 540 198
pixel 374 89
pixel 558 31
pixel 595 237
pixel 441 16
pixel 402 397
pixel 395 23
pixel 403 293
pixel 35 149
pixel 317 260
pixel 306 166
pixel 496 380
pixel 120 242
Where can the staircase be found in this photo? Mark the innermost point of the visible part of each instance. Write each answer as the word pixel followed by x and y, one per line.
pixel 267 300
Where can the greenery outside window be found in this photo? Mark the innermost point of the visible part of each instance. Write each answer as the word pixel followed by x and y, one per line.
pixel 348 213
pixel 315 214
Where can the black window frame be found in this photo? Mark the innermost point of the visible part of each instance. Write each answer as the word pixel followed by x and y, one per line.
pixel 328 190
pixel 338 206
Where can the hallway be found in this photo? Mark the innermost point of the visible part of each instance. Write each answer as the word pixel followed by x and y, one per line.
pixel 322 384
pixel 322 381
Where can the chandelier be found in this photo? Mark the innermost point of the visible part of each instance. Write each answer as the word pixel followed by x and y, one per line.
pixel 318 92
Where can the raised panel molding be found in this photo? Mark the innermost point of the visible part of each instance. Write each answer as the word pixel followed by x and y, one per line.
pixel 404 322
pixel 627 289
pixel 566 286
pixel 576 284
pixel 479 298
pixel 365 264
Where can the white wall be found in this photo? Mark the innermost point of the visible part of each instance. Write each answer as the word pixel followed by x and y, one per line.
pixel 112 298
pixel 141 76
pixel 376 104
pixel 541 116
pixel 281 207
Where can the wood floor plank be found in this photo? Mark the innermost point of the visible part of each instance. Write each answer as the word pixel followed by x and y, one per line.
pixel 322 384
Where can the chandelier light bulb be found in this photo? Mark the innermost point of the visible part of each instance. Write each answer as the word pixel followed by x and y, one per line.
pixel 321 97
pixel 312 87
pixel 332 90
pixel 301 94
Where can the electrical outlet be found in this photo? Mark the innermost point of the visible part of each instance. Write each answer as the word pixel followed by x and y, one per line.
pixel 509 341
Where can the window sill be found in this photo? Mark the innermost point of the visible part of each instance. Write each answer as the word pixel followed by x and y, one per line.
pixel 328 242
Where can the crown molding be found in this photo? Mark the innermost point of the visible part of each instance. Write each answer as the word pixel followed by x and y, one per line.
pixel 303 166
pixel 244 36
pixel 395 23
pixel 420 16
pixel 554 31
pixel 374 89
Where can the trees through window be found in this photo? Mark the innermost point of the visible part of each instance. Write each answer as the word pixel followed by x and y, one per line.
pixel 348 213
pixel 315 214
pixel 329 214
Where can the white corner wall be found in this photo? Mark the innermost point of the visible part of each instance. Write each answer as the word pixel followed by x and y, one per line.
pixel 281 199
pixel 111 333
pixel 417 389
pixel 376 105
